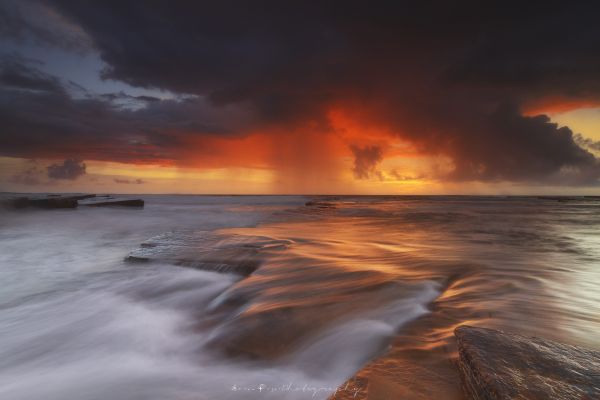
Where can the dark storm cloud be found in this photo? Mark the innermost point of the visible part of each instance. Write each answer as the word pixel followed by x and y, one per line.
pixel 511 146
pixel 502 144
pixel 70 169
pixel 452 77
pixel 41 119
pixel 14 74
pixel 36 21
pixel 271 50
pixel 365 161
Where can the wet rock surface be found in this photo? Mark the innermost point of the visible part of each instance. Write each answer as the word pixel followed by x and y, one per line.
pixel 47 202
pixel 204 250
pixel 116 203
pixel 497 365
pixel 57 201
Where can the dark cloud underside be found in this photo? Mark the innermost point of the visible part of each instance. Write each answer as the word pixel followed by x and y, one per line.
pixel 366 160
pixel 69 169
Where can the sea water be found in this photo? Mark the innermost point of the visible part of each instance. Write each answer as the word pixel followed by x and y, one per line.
pixel 371 284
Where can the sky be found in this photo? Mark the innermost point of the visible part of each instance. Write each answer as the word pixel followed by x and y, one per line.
pixel 300 97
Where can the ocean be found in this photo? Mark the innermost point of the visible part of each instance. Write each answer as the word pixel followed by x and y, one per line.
pixel 284 297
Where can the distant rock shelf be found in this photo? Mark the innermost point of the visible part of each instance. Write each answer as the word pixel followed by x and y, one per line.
pixel 500 366
pixel 564 199
pixel 320 204
pixel 116 203
pixel 53 201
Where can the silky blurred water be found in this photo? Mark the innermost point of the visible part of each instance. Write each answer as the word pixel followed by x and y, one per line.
pixel 369 284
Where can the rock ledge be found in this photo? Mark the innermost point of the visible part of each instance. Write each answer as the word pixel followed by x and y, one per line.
pixel 496 365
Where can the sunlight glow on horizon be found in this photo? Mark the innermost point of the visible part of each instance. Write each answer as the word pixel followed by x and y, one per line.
pixel 290 163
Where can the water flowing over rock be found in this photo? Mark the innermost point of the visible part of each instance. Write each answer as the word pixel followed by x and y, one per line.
pixel 202 250
pixel 496 366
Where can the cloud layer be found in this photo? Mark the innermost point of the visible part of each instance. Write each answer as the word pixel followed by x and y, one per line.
pixel 461 80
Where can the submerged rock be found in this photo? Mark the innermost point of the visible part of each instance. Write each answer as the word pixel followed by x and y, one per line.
pixel 497 365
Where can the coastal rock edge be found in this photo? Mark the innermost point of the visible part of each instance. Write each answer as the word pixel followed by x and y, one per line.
pixel 497 365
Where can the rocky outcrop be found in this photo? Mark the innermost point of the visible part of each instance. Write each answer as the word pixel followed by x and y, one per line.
pixel 48 202
pixel 117 203
pixel 495 365
pixel 52 201
pixel 236 254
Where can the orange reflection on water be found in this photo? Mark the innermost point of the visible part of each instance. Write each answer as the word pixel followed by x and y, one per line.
pixel 441 264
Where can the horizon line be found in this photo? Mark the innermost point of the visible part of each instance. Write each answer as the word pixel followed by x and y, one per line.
pixel 311 195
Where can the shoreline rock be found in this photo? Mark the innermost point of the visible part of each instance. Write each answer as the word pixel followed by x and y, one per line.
pixel 117 203
pixel 48 202
pixel 496 365
pixel 236 254
pixel 58 201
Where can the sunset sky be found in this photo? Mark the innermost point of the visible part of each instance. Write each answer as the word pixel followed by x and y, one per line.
pixel 427 97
